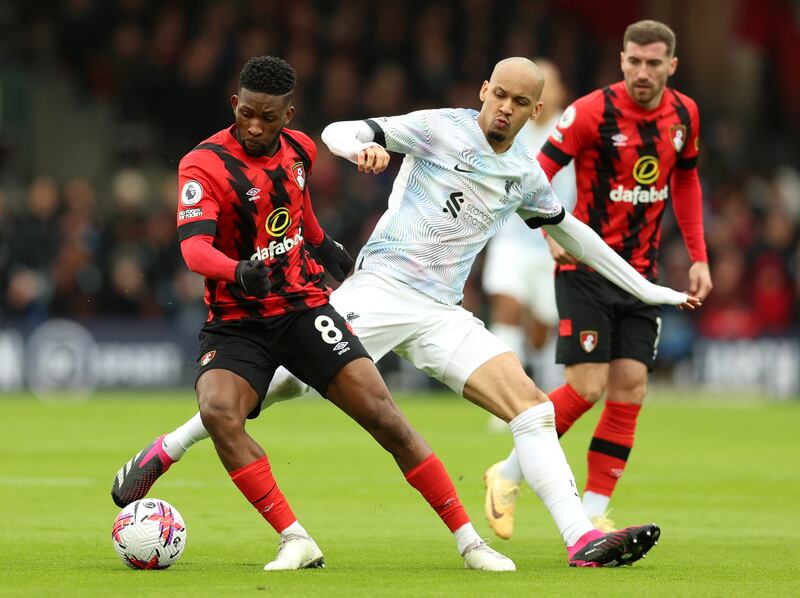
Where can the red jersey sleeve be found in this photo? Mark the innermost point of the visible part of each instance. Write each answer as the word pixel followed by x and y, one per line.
pixel 687 194
pixel 202 258
pixel 198 206
pixel 572 133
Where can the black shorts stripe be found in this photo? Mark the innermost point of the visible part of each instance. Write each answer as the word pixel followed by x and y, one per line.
pixel 555 154
pixel 380 136
pixel 538 221
pixel 199 227
pixel 612 449
pixel 686 163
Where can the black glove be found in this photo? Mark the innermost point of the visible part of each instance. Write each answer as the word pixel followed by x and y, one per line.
pixel 334 257
pixel 253 277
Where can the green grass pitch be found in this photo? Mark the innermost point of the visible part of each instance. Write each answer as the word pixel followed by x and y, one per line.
pixel 722 479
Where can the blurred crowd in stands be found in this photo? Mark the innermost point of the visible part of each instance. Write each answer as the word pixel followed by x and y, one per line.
pixel 89 246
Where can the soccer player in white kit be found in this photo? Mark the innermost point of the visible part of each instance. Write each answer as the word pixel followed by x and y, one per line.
pixel 463 176
pixel 518 270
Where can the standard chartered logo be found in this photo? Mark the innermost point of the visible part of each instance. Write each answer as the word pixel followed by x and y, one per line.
pixel 646 170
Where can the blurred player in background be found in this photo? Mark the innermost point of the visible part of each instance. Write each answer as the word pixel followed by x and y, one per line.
pixel 635 146
pixel 243 221
pixel 518 272
pixel 463 176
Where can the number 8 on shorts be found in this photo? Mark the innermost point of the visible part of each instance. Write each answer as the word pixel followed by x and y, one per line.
pixel 330 333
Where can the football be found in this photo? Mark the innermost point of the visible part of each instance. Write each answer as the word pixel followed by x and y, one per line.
pixel 149 534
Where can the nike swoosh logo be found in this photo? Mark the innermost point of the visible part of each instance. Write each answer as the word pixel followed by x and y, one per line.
pixel 456 168
pixel 495 514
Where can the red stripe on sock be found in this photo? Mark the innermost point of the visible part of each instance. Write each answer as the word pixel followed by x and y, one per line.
pixel 617 424
pixel 431 480
pixel 256 482
pixel 569 406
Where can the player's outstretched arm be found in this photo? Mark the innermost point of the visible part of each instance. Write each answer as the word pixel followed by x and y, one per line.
pixel 348 138
pixel 587 246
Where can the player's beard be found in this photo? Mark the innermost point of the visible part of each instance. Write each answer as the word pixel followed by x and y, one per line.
pixel 495 135
pixel 262 149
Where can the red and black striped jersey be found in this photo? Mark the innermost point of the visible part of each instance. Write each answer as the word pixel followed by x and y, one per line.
pixel 625 157
pixel 253 209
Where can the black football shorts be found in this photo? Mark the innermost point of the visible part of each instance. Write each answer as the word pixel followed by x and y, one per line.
pixel 599 322
pixel 313 344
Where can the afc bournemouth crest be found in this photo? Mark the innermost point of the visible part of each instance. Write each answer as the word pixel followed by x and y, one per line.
pixel 588 340
pixel 206 359
pixel 299 175
pixel 677 135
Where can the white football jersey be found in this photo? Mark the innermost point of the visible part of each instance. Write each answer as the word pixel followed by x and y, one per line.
pixel 534 134
pixel 453 192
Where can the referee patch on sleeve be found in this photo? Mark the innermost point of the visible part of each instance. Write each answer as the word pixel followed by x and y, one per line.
pixel 538 221
pixel 380 136
pixel 198 227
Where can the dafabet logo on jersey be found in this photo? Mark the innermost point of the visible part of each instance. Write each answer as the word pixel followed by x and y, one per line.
pixel 646 171
pixel 278 221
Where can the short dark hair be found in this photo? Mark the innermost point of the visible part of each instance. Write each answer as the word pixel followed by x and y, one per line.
pixel 268 74
pixel 650 32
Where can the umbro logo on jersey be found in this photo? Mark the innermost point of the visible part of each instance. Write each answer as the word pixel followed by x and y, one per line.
pixel 457 168
pixel 454 204
pixel 253 194
pixel 341 347
pixel 620 140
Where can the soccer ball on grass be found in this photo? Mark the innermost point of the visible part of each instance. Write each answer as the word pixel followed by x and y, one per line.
pixel 149 534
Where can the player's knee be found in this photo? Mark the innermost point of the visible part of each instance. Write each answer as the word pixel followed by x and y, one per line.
pixel 219 414
pixel 590 384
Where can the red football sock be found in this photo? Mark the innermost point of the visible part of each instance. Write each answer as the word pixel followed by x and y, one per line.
pixel 569 406
pixel 431 480
pixel 259 487
pixel 611 445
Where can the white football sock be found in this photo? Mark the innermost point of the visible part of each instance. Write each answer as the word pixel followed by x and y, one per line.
pixel 595 504
pixel 546 372
pixel 295 528
pixel 176 443
pixel 284 386
pixel 465 535
pixel 510 469
pixel 547 471
pixel 513 336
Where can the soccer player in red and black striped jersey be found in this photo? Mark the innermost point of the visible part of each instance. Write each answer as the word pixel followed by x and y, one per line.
pixel 245 223
pixel 635 147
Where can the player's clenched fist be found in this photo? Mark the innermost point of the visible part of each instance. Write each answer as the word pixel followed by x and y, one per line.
pixel 373 159
pixel 253 277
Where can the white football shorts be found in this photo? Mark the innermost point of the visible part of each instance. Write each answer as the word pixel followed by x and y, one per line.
pixel 445 341
pixel 523 271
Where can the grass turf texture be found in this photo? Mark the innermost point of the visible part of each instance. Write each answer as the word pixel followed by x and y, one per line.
pixel 721 479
